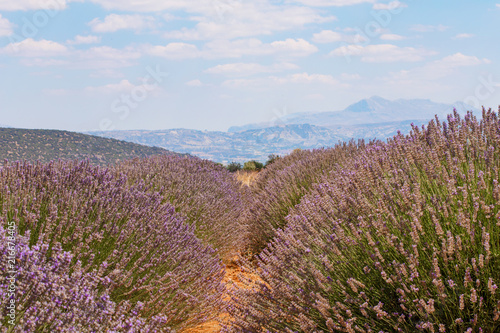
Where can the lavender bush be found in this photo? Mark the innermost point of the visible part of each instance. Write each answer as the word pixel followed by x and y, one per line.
pixel 126 234
pixel 283 183
pixel 52 295
pixel 205 192
pixel 404 238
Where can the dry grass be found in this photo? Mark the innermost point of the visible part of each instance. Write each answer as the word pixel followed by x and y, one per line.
pixel 209 327
pixel 247 177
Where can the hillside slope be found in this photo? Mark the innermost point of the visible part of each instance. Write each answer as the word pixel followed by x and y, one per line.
pixel 47 145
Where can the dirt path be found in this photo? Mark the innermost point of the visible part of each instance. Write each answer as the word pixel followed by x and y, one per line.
pixel 247 177
pixel 209 327
pixel 232 277
pixel 232 272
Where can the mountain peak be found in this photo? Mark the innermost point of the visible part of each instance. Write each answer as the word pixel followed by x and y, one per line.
pixel 367 105
pixel 378 99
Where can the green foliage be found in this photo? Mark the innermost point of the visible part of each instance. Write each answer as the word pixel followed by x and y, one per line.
pixel 271 159
pixel 253 165
pixel 234 166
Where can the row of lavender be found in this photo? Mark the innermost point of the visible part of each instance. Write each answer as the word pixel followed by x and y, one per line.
pixel 209 196
pixel 126 249
pixel 282 184
pixel 400 236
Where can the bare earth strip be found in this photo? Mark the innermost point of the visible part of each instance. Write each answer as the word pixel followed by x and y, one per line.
pixel 233 273
pixel 232 277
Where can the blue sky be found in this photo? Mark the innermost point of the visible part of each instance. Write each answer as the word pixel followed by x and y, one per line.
pixel 210 64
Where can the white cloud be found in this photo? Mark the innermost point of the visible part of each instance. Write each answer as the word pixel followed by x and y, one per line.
pixel 498 5
pixel 246 19
pixel 382 53
pixel 43 62
pixel 9 5
pixel 236 49
pixel 113 88
pixel 45 53
pixel 389 6
pixel 5 27
pixel 194 83
pixel 84 40
pixel 115 22
pixel 244 69
pixel 308 78
pixel 439 68
pixel 296 47
pixel 332 3
pixel 175 51
pixel 217 7
pixel 32 48
pixel 107 52
pixel 429 28
pixel 391 37
pixel 150 5
pixel 348 76
pixel 459 60
pixel 226 19
pixel 287 48
pixel 106 57
pixel 103 57
pixel 272 81
pixel 463 36
pixel 107 73
pixel 329 36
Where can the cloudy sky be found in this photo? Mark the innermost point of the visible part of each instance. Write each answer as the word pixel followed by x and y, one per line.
pixel 210 64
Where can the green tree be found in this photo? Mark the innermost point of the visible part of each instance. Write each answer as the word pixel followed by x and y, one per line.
pixel 253 165
pixel 271 159
pixel 234 166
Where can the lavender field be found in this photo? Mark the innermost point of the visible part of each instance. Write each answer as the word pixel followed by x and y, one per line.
pixel 400 235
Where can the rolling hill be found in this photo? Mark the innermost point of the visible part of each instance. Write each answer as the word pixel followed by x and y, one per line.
pixel 47 145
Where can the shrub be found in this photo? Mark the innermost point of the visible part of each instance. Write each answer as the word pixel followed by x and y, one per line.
pixel 405 238
pixel 283 183
pixel 51 294
pixel 234 166
pixel 147 250
pixel 206 193
pixel 252 166
pixel 271 159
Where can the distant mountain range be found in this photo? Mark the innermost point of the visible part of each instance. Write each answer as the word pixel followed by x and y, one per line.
pixel 46 145
pixel 225 147
pixel 374 110
pixel 370 118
